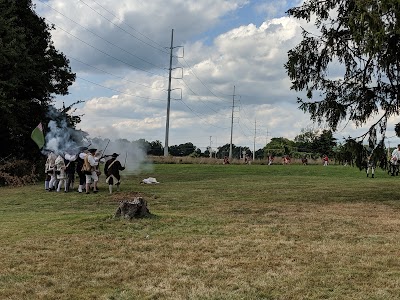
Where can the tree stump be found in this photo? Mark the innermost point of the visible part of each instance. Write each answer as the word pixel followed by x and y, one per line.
pixel 129 209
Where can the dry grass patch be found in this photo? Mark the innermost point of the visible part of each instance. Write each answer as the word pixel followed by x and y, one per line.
pixel 206 241
pixel 287 251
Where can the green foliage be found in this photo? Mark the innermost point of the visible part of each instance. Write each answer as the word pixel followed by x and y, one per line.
pixel 363 37
pixel 355 153
pixel 305 140
pixel 315 142
pixel 237 151
pixel 279 147
pixel 324 143
pixel 156 148
pixel 67 114
pixel 32 72
pixel 260 154
pixel 17 173
pixel 182 150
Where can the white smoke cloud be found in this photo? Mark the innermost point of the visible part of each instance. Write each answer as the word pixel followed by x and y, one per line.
pixel 132 155
pixel 59 139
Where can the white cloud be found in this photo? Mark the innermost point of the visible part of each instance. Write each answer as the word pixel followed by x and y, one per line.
pixel 130 99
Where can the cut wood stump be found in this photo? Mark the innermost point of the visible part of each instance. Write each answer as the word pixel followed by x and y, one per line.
pixel 135 208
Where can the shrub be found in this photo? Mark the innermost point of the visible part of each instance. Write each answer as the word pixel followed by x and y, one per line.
pixel 18 173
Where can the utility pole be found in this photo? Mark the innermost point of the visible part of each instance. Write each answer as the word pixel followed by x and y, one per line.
pixel 169 95
pixel 266 138
pixel 233 107
pixel 210 147
pixel 216 143
pixel 254 146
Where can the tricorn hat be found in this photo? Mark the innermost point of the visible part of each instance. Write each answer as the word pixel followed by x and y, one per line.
pixel 92 150
pixel 115 154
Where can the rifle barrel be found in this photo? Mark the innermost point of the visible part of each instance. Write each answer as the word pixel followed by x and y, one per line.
pixel 126 155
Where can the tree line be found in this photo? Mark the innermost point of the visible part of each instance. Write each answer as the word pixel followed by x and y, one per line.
pixel 310 143
pixel 361 36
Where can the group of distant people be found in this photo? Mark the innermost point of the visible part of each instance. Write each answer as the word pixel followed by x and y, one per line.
pixel 60 170
pixel 286 160
pixel 394 162
pixel 393 167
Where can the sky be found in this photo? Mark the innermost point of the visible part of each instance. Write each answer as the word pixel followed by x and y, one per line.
pixel 228 60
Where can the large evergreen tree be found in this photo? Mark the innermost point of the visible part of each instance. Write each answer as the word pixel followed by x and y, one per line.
pixel 361 38
pixel 279 147
pixel 304 141
pixel 32 72
pixel 324 143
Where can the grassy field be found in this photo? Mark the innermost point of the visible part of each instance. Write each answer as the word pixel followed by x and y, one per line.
pixel 218 232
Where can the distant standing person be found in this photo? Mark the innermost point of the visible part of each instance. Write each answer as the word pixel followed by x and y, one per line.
pixel 370 166
pixel 79 165
pixel 325 160
pixel 61 175
pixel 90 164
pixel 70 171
pixel 111 169
pixel 395 160
pixel 226 160
pixel 50 169
pixel 286 160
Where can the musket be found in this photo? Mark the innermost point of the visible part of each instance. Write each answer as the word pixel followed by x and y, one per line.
pixel 76 150
pixel 5 158
pixel 104 150
pixel 126 155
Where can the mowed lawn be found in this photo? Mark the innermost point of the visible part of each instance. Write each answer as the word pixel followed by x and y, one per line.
pixel 217 232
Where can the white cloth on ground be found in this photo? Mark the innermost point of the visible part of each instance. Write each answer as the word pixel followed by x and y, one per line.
pixel 150 180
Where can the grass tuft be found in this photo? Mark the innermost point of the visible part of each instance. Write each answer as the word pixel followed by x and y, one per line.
pixel 217 232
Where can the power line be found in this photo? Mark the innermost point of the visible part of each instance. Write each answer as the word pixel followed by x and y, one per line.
pixel 111 13
pixel 244 126
pixel 115 58
pixel 198 115
pixel 115 90
pixel 198 96
pixel 120 77
pixel 105 53
pixel 201 80
pixel 94 33
pixel 132 66
pixel 135 37
pixel 241 107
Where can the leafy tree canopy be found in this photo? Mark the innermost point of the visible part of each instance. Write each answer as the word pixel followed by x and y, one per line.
pixel 182 150
pixel 32 72
pixel 224 151
pixel 315 142
pixel 279 147
pixel 156 148
pixel 363 38
pixel 304 141
pixel 324 143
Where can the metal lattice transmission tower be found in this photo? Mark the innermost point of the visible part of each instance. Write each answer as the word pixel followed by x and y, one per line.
pixel 169 93
pixel 233 108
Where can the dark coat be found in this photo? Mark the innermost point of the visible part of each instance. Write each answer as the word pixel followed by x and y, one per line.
pixel 113 168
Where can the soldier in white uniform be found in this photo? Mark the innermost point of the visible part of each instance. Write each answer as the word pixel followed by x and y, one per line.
pixel 90 164
pixel 50 169
pixel 395 161
pixel 60 171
